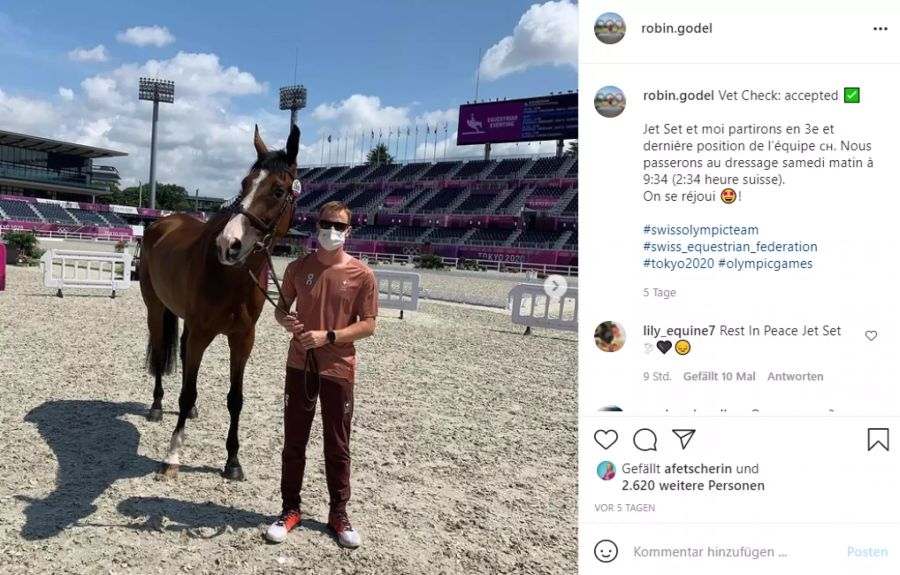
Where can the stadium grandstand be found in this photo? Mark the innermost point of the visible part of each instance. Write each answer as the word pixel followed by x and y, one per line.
pixel 515 210
pixel 50 169
pixel 52 188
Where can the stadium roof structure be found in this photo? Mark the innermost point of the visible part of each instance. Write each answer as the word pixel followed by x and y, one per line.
pixel 46 145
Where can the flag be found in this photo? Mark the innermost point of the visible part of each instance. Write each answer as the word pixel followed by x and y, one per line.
pixel 380 133
pixel 435 128
pixel 329 138
pixel 407 130
pixel 417 129
pixel 373 134
pixel 390 132
pixel 445 127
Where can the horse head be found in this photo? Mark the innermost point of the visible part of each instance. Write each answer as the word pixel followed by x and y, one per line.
pixel 265 209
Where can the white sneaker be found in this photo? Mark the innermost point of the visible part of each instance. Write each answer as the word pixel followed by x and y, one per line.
pixel 278 531
pixel 341 527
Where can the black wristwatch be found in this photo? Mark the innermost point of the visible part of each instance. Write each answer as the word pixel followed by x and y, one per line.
pixel 331 336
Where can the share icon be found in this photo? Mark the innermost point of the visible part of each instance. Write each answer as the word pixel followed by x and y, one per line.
pixel 684 436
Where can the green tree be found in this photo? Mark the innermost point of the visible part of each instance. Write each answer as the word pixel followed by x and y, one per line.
pixel 171 197
pixel 168 197
pixel 572 149
pixel 379 155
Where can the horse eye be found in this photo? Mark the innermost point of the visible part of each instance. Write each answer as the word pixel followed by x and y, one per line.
pixel 278 192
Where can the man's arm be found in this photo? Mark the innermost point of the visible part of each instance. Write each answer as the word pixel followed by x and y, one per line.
pixel 359 330
pixel 362 329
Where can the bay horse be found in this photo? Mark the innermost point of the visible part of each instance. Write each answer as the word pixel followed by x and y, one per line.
pixel 198 271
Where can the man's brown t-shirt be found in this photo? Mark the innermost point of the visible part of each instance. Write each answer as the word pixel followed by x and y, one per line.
pixel 330 297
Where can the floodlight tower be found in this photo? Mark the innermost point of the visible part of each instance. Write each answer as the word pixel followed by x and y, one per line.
pixel 156 91
pixel 292 98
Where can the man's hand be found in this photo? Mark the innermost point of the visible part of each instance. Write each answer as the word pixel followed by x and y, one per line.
pixel 290 324
pixel 313 339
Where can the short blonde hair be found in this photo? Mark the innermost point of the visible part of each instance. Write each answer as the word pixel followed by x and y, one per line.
pixel 334 207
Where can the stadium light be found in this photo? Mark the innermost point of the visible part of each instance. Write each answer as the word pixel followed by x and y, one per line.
pixel 292 98
pixel 156 91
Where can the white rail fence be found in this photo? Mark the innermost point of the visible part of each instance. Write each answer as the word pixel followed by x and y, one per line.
pixel 398 290
pixel 532 307
pixel 75 269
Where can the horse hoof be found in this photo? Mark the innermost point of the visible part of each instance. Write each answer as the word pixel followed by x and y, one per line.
pixel 154 415
pixel 233 473
pixel 168 471
pixel 192 414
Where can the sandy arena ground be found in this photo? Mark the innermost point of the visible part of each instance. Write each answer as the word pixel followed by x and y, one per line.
pixel 463 447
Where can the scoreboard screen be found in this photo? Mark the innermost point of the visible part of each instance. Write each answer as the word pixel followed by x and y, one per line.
pixel 525 120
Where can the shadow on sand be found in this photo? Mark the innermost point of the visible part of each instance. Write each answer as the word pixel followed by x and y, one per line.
pixel 201 520
pixel 187 515
pixel 94 448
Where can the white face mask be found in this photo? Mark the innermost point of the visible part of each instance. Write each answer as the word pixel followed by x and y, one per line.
pixel 331 239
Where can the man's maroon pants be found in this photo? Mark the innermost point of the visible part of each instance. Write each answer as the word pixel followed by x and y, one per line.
pixel 336 397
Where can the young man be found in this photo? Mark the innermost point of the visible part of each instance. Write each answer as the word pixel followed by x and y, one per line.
pixel 337 301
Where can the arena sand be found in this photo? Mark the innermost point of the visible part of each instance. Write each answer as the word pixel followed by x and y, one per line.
pixel 464 448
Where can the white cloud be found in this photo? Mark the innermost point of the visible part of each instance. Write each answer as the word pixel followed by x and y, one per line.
pixel 96 54
pixel 360 112
pixel 202 142
pixel 146 36
pixel 27 115
pixel 546 34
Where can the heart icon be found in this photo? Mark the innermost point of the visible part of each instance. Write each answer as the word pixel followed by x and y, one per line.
pixel 606 438
pixel 664 346
pixel 871 335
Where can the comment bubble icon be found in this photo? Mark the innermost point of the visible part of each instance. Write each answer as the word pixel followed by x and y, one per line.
pixel 645 439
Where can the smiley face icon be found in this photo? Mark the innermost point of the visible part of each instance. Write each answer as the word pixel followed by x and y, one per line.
pixel 728 196
pixel 606 551
pixel 682 347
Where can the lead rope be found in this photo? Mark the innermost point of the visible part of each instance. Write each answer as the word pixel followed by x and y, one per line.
pixel 312 364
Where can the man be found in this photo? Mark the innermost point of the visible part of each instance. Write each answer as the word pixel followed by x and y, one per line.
pixel 337 301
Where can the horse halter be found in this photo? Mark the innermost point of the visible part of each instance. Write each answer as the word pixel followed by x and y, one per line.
pixel 267 230
pixel 265 244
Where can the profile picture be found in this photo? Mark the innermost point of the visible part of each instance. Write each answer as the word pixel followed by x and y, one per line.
pixel 609 336
pixel 609 28
pixel 606 470
pixel 609 101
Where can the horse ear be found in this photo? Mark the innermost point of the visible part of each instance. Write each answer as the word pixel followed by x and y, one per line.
pixel 293 143
pixel 260 146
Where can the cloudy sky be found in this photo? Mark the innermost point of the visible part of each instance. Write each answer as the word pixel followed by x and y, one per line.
pixel 70 71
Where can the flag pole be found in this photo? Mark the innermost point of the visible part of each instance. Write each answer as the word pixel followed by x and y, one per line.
pixel 406 150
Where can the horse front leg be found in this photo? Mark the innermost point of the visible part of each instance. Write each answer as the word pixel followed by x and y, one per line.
pixel 241 345
pixel 197 342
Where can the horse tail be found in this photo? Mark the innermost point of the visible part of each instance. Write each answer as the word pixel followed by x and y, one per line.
pixel 163 361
